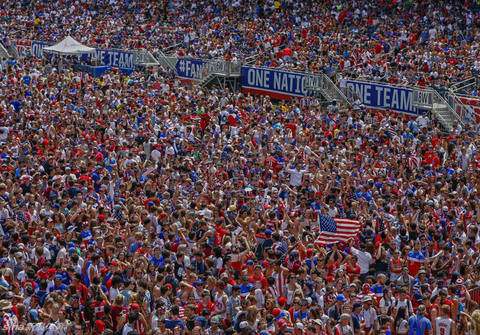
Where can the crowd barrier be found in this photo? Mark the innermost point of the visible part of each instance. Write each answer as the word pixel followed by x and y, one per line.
pixel 198 69
pixel 284 84
pixel 277 83
pixel 115 58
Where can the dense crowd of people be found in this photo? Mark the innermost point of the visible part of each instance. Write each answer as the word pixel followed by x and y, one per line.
pixel 133 204
pixel 403 42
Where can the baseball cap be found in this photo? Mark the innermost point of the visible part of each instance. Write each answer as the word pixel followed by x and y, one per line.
pixel 341 298
pixel 367 298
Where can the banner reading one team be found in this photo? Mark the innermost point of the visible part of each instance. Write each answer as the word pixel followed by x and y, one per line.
pixel 122 59
pixel 381 96
pixel 276 83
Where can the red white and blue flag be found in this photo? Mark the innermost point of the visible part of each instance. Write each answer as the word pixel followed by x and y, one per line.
pixel 336 230
pixel 413 162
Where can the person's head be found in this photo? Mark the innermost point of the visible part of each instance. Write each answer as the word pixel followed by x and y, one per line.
pixel 443 293
pixel 357 307
pixel 299 328
pixel 401 313
pixel 5 306
pixel 367 302
pixel 132 316
pixel 344 319
pixel 421 310
pixel 445 310
pixel 340 300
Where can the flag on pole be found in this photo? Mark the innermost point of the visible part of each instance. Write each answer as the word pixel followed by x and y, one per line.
pixel 336 230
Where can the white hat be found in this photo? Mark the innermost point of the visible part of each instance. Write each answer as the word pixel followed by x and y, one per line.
pixel 299 325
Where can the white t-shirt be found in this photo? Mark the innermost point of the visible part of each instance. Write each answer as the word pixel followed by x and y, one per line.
pixel 127 328
pixel 113 293
pixel 364 259
pixel 369 315
pixel 44 329
pixel 296 177
pixel 402 327
pixel 443 326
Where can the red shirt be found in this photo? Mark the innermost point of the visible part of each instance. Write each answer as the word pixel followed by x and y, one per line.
pixel 352 270
pixel 258 279
pixel 82 291
pixel 210 306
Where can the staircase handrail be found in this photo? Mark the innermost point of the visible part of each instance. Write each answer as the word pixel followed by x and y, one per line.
pixel 462 84
pixel 437 98
pixel 327 83
pixel 166 59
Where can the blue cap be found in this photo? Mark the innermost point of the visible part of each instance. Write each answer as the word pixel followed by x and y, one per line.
pixel 268 232
pixel 198 282
pixel 341 298
pixel 250 262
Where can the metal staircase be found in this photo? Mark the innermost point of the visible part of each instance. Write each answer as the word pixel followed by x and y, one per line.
pixel 448 113
pixel 208 80
pixel 443 114
pixel 222 74
pixel 322 87
pixel 145 58
pixel 168 62
pixel 4 52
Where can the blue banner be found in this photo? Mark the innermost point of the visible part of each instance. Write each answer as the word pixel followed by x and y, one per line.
pixel 276 82
pixel 382 96
pixel 37 48
pixel 121 59
pixel 189 68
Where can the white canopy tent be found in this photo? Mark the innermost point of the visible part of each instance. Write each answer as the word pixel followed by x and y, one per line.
pixel 68 46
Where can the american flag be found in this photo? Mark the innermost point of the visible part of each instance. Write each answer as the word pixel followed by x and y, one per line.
pixel 336 230
pixel 413 162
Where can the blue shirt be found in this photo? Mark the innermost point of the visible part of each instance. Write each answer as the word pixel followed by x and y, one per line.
pixel 171 324
pixel 418 325
pixel 158 262
pixel 245 289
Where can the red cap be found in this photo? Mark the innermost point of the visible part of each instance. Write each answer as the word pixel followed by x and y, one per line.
pixel 135 307
pixel 276 312
pixel 282 301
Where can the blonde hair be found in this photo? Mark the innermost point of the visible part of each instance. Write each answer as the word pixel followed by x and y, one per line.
pixel 476 321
